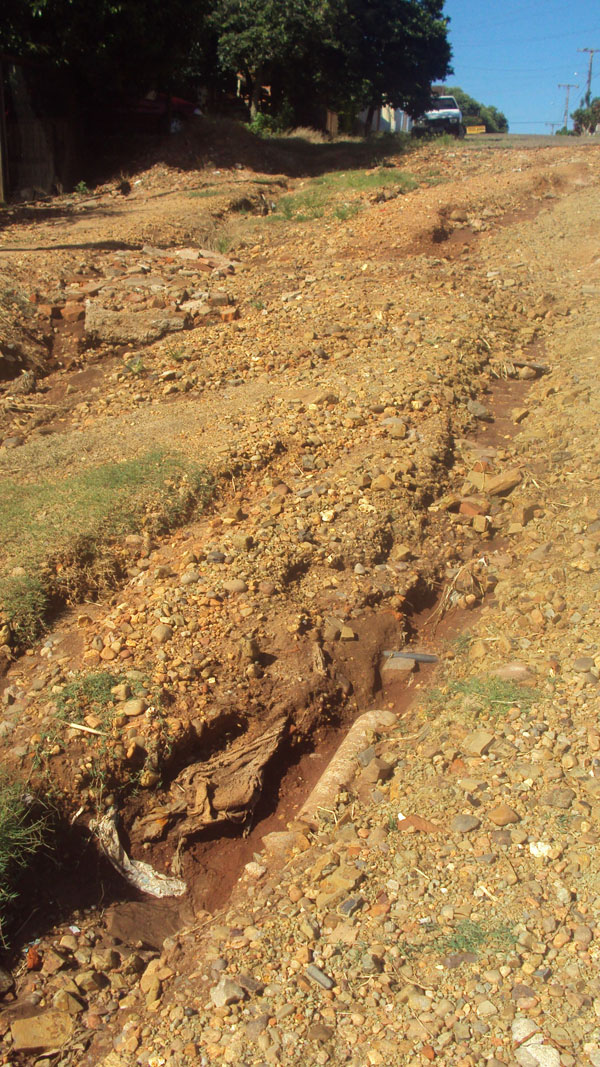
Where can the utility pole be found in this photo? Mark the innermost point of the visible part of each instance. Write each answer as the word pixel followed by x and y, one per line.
pixel 568 87
pixel 553 126
pixel 588 94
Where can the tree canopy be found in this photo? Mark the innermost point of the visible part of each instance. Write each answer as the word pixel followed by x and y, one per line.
pixel 493 120
pixel 102 43
pixel 311 53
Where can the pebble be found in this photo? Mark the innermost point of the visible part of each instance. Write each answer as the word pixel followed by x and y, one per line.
pixel 319 976
pixel 502 815
pixel 465 824
pixel 226 992
pixel 161 633
pixel 583 664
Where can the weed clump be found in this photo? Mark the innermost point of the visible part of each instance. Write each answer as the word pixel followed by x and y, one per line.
pixel 20 837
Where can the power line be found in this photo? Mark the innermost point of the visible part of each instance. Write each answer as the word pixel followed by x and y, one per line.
pixel 524 39
pixel 485 23
pixel 513 70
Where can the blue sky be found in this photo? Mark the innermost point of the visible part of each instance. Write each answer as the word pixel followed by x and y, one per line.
pixel 514 54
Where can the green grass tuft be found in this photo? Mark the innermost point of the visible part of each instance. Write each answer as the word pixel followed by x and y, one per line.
pixel 469 936
pixel 20 837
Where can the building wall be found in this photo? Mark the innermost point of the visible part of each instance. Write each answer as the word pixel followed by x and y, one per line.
pixel 389 120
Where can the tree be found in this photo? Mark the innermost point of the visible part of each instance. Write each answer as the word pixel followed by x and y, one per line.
pixel 587 119
pixel 265 39
pixel 493 120
pixel 343 53
pixel 394 49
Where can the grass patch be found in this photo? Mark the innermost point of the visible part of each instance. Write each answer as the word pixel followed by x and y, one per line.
pixel 87 693
pixel 490 693
pixel 369 181
pixel 60 537
pixel 304 206
pixel 20 837
pixel 346 211
pixel 223 244
pixel 478 698
pixel 327 194
pixel 462 642
pixel 203 194
pixel 470 936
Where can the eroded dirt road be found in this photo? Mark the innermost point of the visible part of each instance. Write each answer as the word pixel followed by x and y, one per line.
pixel 396 407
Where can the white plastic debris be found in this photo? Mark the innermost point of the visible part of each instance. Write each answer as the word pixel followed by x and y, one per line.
pixel 136 872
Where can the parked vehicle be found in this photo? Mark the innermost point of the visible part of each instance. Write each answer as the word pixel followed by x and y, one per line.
pixel 443 116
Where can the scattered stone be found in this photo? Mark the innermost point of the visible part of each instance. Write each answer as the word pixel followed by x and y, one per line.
pixel 320 1033
pixel 226 992
pixel 398 665
pixel 477 743
pixel 161 633
pixel 319 977
pixel 502 815
pixel 502 484
pixel 561 797
pixel 464 824
pixel 440 930
pixel 129 327
pixel 133 707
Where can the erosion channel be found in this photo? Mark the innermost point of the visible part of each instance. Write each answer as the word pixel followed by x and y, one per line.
pixel 256 487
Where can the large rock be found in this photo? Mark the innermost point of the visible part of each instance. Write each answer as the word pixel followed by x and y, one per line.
pixel 51 1030
pixel 130 327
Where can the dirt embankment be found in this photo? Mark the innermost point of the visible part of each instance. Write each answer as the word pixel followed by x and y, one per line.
pixel 353 382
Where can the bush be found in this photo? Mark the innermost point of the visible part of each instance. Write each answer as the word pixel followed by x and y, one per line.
pixel 263 125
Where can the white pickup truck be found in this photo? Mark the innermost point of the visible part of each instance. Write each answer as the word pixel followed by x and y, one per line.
pixel 443 116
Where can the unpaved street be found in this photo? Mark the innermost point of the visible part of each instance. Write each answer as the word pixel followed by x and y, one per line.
pixel 393 393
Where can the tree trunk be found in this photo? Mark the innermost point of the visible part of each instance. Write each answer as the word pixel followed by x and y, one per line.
pixel 369 119
pixel 256 81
